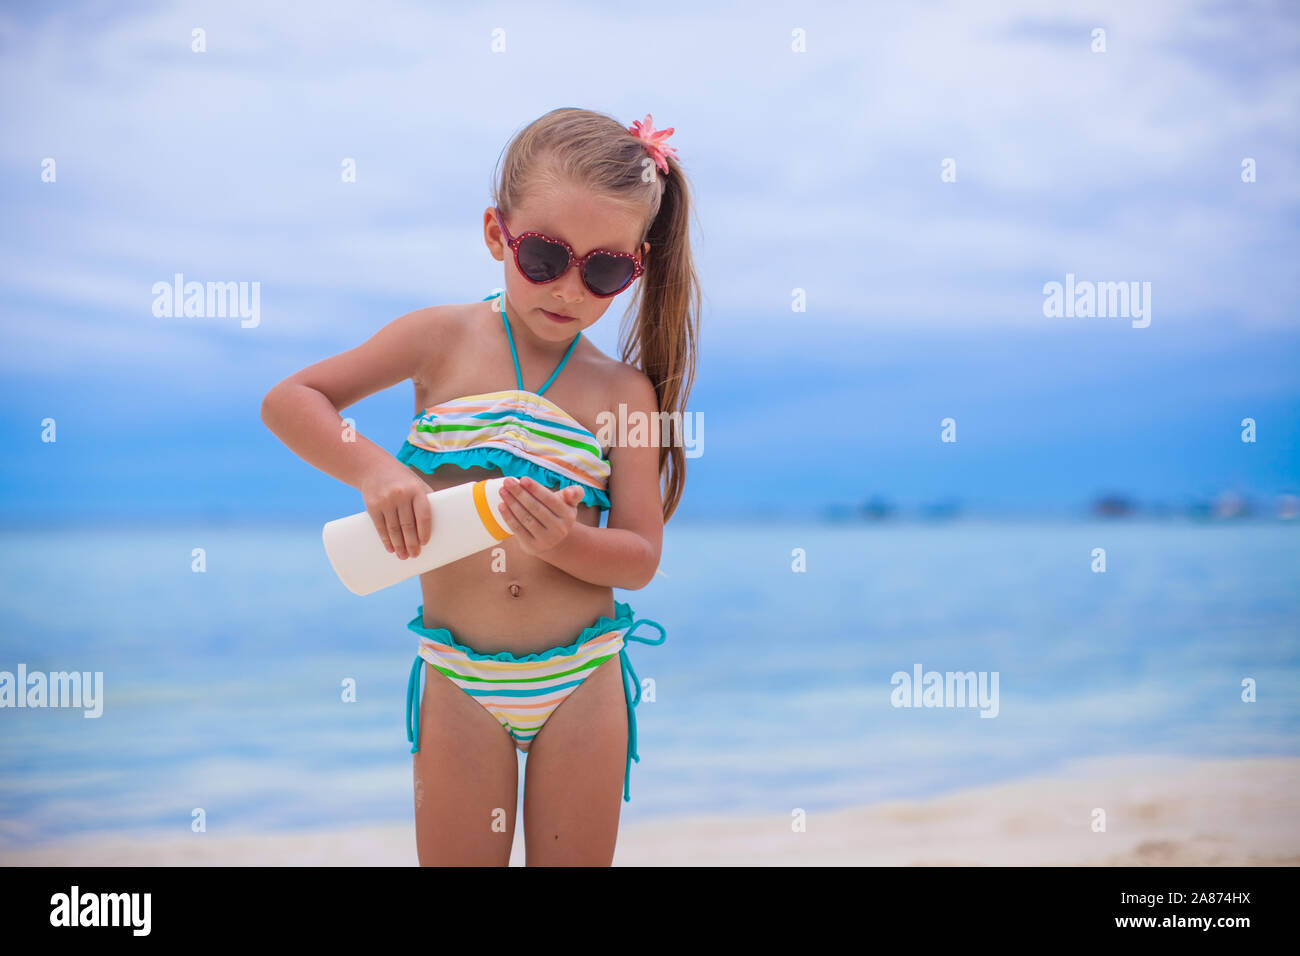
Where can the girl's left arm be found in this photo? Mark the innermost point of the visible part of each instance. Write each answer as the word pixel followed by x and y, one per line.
pixel 625 553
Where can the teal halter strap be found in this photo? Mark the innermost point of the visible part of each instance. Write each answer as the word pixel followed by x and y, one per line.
pixel 519 378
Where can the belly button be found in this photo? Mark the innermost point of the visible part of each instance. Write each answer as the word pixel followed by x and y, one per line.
pixel 514 589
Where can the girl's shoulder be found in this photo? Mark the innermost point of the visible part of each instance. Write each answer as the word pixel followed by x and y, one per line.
pixel 438 333
pixel 458 321
pixel 617 382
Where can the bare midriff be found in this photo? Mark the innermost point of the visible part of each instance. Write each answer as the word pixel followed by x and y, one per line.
pixel 504 599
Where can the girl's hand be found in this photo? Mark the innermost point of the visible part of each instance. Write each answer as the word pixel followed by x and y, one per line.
pixel 540 517
pixel 398 503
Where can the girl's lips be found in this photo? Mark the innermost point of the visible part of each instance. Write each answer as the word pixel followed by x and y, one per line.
pixel 555 317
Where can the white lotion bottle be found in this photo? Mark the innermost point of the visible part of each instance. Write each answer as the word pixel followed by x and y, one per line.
pixel 466 518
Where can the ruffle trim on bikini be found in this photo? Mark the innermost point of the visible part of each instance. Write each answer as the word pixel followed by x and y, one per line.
pixel 621 621
pixel 489 457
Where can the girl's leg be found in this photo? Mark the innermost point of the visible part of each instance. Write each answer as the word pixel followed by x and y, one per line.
pixel 573 784
pixel 466 780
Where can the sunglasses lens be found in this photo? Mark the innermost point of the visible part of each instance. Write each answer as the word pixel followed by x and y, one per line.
pixel 606 275
pixel 542 261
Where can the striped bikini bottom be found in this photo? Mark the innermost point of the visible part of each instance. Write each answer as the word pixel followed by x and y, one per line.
pixel 522 692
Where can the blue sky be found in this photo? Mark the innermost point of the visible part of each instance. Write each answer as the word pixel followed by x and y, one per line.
pixel 816 170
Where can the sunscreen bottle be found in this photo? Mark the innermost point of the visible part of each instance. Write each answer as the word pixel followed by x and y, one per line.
pixel 466 518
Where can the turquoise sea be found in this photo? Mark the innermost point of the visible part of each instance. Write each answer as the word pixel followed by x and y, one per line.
pixel 222 689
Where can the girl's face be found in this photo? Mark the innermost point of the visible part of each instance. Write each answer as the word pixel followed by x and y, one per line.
pixel 585 222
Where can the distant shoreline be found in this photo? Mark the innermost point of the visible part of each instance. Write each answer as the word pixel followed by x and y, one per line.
pixel 313 524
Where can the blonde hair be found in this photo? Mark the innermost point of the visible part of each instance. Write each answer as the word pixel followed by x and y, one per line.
pixel 595 151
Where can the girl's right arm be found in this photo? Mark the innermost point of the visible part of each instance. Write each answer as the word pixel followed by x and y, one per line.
pixel 303 412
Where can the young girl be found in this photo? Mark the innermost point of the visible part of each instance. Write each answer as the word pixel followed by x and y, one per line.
pixel 523 645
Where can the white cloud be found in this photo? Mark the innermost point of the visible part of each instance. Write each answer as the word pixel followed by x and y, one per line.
pixel 818 170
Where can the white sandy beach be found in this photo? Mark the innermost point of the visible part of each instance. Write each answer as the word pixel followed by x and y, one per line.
pixel 1160 811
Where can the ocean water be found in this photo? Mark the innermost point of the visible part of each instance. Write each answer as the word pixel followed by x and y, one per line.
pixel 773 690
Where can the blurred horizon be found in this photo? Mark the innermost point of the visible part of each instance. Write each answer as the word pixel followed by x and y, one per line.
pixel 875 511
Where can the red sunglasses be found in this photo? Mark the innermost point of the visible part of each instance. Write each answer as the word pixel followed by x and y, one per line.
pixel 542 259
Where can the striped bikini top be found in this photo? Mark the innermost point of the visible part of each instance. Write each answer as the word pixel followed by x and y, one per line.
pixel 517 431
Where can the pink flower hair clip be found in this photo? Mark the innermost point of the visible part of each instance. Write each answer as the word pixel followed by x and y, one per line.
pixel 653 140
